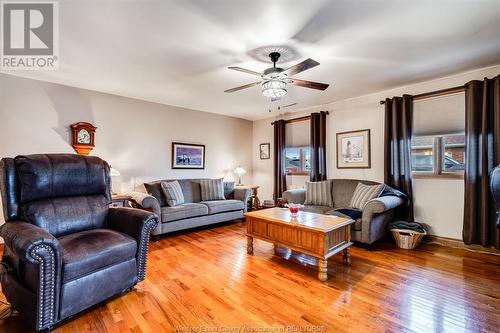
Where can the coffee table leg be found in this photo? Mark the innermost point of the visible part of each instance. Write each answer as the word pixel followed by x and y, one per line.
pixel 347 256
pixel 249 245
pixel 275 246
pixel 323 270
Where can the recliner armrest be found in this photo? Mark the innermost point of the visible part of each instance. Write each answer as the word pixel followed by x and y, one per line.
pixel 137 224
pixel 36 246
pixel 297 196
pixel 26 240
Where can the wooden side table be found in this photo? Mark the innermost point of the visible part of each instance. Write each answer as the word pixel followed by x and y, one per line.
pixel 254 199
pixel 121 200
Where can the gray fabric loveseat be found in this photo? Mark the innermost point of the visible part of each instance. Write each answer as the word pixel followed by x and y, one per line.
pixel 371 225
pixel 193 212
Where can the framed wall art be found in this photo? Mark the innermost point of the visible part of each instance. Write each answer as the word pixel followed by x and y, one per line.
pixel 353 150
pixel 265 151
pixel 188 156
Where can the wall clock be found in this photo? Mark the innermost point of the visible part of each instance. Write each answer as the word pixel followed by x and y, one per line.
pixel 83 137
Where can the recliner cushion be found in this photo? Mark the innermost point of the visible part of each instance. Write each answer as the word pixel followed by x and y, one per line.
pixel 183 211
pixel 66 215
pixel 89 251
pixel 220 206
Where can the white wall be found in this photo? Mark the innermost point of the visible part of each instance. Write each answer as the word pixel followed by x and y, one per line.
pixel 132 135
pixel 438 203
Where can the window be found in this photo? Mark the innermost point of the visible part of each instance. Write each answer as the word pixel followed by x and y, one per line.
pixel 297 160
pixel 440 155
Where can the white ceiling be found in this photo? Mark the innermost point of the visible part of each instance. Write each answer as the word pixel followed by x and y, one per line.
pixel 177 52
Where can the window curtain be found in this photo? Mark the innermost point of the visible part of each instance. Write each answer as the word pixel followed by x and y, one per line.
pixel 318 146
pixel 397 153
pixel 279 158
pixel 482 154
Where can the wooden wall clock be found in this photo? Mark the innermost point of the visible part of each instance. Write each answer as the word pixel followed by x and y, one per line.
pixel 83 137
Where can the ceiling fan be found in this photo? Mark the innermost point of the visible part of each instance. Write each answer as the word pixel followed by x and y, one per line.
pixel 274 80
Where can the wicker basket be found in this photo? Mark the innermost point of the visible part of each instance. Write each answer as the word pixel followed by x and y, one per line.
pixel 407 239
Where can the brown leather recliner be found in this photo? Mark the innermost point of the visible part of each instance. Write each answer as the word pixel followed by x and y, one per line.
pixel 65 248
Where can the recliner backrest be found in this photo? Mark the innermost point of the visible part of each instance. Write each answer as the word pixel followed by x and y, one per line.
pixel 61 193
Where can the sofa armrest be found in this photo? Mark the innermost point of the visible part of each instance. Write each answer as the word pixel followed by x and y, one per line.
pixel 147 202
pixel 381 204
pixel 376 214
pixel 297 196
pixel 137 224
pixel 36 246
pixel 243 194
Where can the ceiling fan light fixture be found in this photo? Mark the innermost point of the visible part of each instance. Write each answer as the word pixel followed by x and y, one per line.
pixel 274 88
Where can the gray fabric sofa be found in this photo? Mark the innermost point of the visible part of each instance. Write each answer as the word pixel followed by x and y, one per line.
pixel 193 212
pixel 371 226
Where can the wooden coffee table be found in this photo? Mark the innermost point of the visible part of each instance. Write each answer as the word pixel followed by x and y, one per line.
pixel 317 235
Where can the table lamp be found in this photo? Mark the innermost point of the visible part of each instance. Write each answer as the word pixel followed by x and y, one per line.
pixel 239 171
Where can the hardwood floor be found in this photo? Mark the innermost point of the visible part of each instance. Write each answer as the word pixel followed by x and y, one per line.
pixel 204 281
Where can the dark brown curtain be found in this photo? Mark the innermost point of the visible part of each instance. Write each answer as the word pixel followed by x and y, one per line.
pixel 318 146
pixel 279 159
pixel 482 154
pixel 397 154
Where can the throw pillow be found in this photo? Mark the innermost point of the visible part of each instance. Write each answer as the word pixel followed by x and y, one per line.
pixel 364 193
pixel 319 193
pixel 212 189
pixel 173 193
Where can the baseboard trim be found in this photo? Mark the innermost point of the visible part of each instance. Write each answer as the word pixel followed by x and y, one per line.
pixel 457 243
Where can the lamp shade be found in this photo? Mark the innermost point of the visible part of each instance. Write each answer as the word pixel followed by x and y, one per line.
pixel 240 171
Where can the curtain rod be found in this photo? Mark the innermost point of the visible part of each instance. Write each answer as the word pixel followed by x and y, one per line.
pixel 442 92
pixel 293 120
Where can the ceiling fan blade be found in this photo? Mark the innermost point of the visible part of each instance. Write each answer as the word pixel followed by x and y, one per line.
pixel 300 67
pixel 308 84
pixel 239 69
pixel 242 87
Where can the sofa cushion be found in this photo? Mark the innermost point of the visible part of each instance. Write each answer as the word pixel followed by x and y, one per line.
pixel 343 189
pixel 319 193
pixel 211 189
pixel 173 193
pixel 190 190
pixel 229 190
pixel 183 211
pixel 88 251
pixel 154 189
pixel 364 193
pixel 220 206
pixel 316 209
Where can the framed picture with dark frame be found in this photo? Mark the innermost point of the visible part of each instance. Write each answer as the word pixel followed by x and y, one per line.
pixel 265 151
pixel 354 150
pixel 188 156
